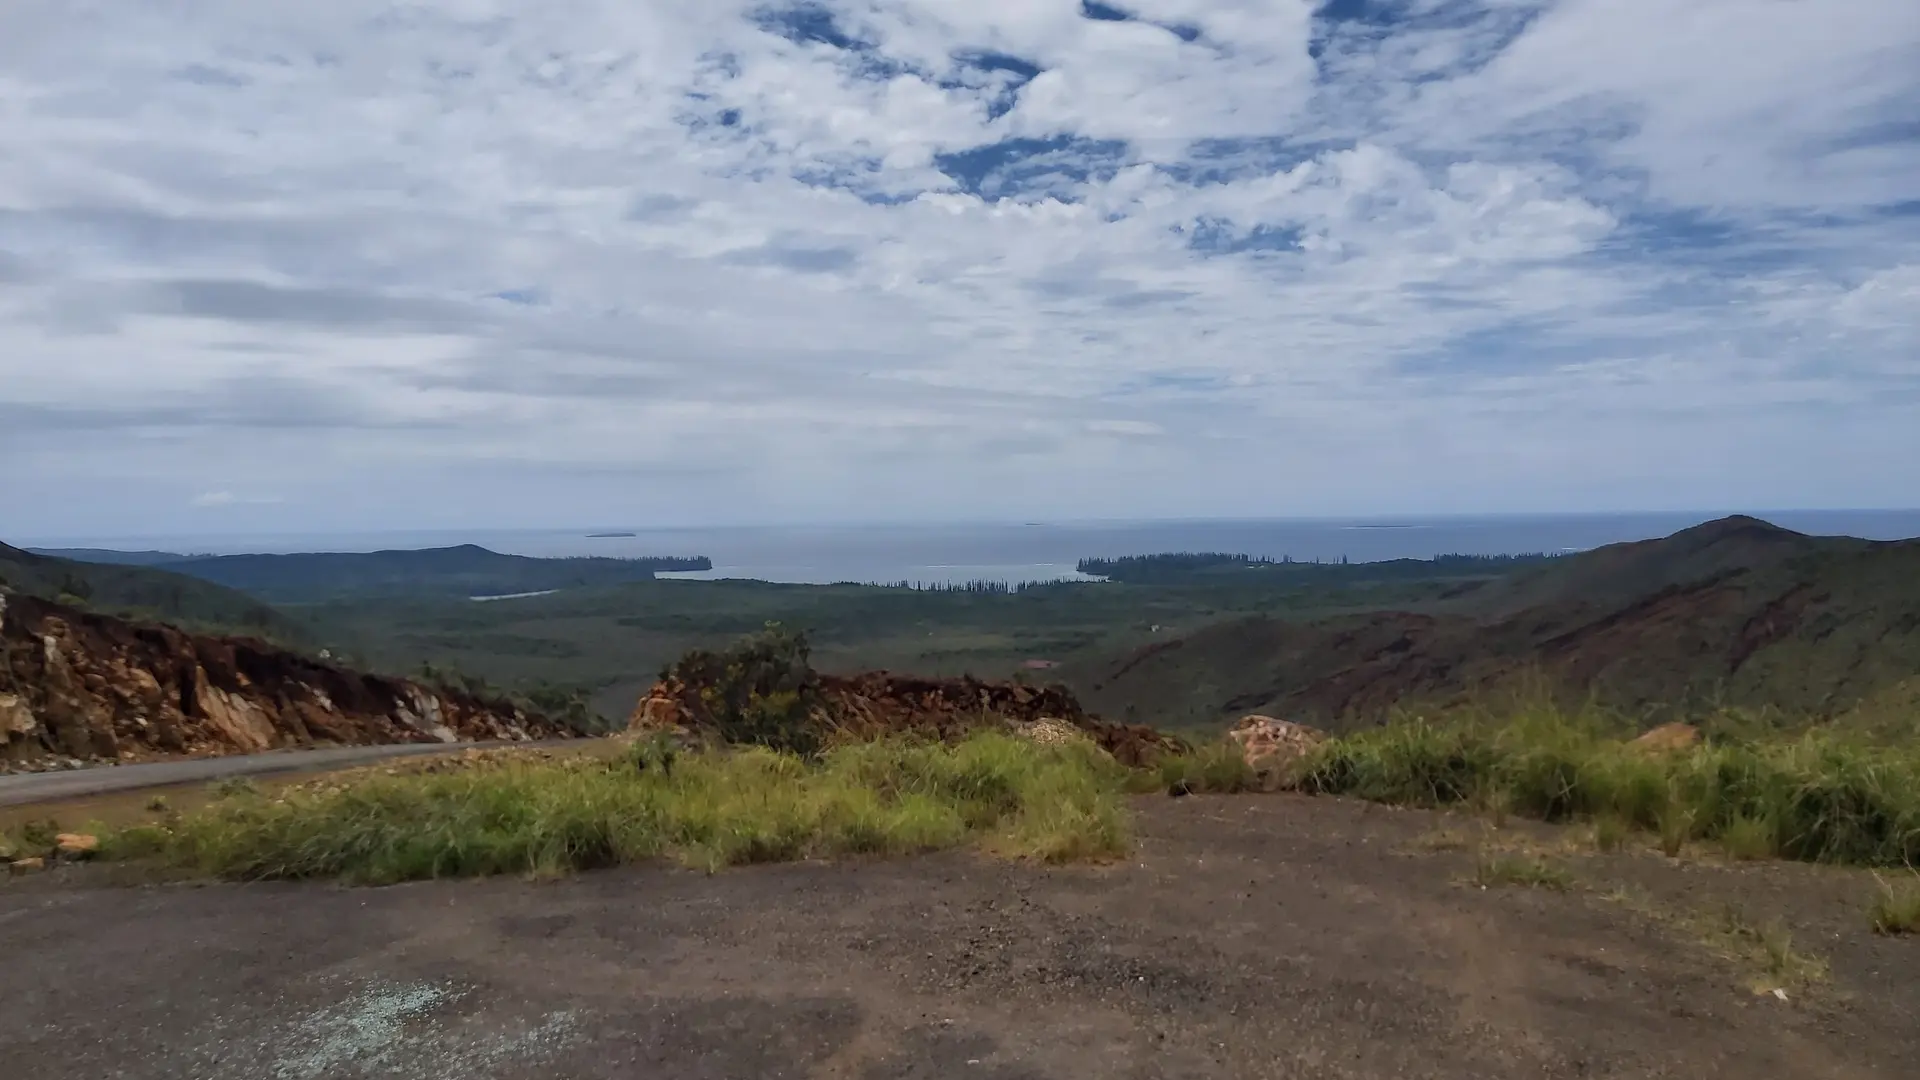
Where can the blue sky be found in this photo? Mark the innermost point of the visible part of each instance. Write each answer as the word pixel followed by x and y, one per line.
pixel 439 263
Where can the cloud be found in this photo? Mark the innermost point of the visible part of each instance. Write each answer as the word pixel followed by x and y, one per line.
pixel 465 261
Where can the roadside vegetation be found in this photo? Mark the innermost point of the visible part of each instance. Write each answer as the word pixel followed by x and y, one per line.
pixel 1896 907
pixel 706 809
pixel 1816 797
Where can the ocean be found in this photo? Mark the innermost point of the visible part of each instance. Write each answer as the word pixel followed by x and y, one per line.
pixel 1014 553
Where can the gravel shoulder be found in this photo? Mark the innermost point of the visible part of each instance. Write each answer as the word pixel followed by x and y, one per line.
pixel 1248 937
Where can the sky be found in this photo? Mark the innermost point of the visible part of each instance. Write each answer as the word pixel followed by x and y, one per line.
pixel 270 265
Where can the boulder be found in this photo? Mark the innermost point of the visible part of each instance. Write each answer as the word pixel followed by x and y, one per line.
pixel 76 845
pixel 16 720
pixel 1275 748
pixel 1668 739
pixel 659 711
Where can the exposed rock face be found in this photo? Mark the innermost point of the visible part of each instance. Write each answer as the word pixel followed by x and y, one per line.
pixel 79 685
pixel 880 703
pixel 1274 748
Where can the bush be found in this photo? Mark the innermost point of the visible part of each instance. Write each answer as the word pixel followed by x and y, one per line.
pixel 1815 798
pixel 761 691
pixel 710 809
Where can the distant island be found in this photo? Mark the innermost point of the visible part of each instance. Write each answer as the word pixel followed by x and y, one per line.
pixel 609 535
pixel 464 571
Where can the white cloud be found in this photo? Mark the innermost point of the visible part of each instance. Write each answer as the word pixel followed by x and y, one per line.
pixel 472 261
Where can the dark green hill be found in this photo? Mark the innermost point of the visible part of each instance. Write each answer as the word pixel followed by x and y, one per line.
pixel 1736 612
pixel 147 593
pixel 111 556
pixel 466 570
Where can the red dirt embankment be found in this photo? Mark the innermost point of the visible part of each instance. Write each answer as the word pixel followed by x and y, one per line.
pixel 76 685
pixel 879 703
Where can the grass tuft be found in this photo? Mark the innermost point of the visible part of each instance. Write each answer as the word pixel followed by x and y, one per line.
pixel 709 809
pixel 1216 768
pixel 1492 869
pixel 233 787
pixel 1769 946
pixel 1750 838
pixel 1611 832
pixel 1896 908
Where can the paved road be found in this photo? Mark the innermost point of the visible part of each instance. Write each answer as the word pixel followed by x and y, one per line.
pixel 24 788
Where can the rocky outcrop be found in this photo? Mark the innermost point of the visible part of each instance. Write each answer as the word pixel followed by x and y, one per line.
pixel 1275 749
pixel 877 704
pixel 78 685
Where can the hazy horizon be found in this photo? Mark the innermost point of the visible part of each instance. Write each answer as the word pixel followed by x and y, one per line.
pixel 929 553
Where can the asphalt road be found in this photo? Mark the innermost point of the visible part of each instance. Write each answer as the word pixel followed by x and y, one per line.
pixel 22 789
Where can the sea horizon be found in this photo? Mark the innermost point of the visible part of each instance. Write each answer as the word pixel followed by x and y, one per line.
pixel 950 553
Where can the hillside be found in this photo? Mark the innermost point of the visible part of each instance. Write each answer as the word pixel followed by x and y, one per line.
pixel 114 556
pixel 145 592
pixel 467 570
pixel 76 684
pixel 1735 612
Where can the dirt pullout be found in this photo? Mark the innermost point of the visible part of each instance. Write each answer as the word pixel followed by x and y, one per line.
pixel 1247 937
pixel 879 703
pixel 78 685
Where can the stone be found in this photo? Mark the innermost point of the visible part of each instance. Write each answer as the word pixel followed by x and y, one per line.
pixel 1050 731
pixel 1274 749
pixel 16 720
pixel 241 723
pixel 76 845
pixel 1668 739
pixel 27 866
pixel 658 711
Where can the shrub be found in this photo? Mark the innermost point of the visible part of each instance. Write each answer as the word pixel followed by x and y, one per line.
pixel 761 691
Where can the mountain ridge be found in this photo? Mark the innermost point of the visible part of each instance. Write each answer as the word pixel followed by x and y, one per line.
pixel 1733 612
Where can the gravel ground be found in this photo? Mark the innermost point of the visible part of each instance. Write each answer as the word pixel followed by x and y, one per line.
pixel 1248 937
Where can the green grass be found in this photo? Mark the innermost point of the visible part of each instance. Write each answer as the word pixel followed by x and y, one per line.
pixel 1769 947
pixel 1818 798
pixel 1497 868
pixel 708 810
pixel 1610 833
pixel 1896 908
pixel 1764 950
pixel 1216 768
